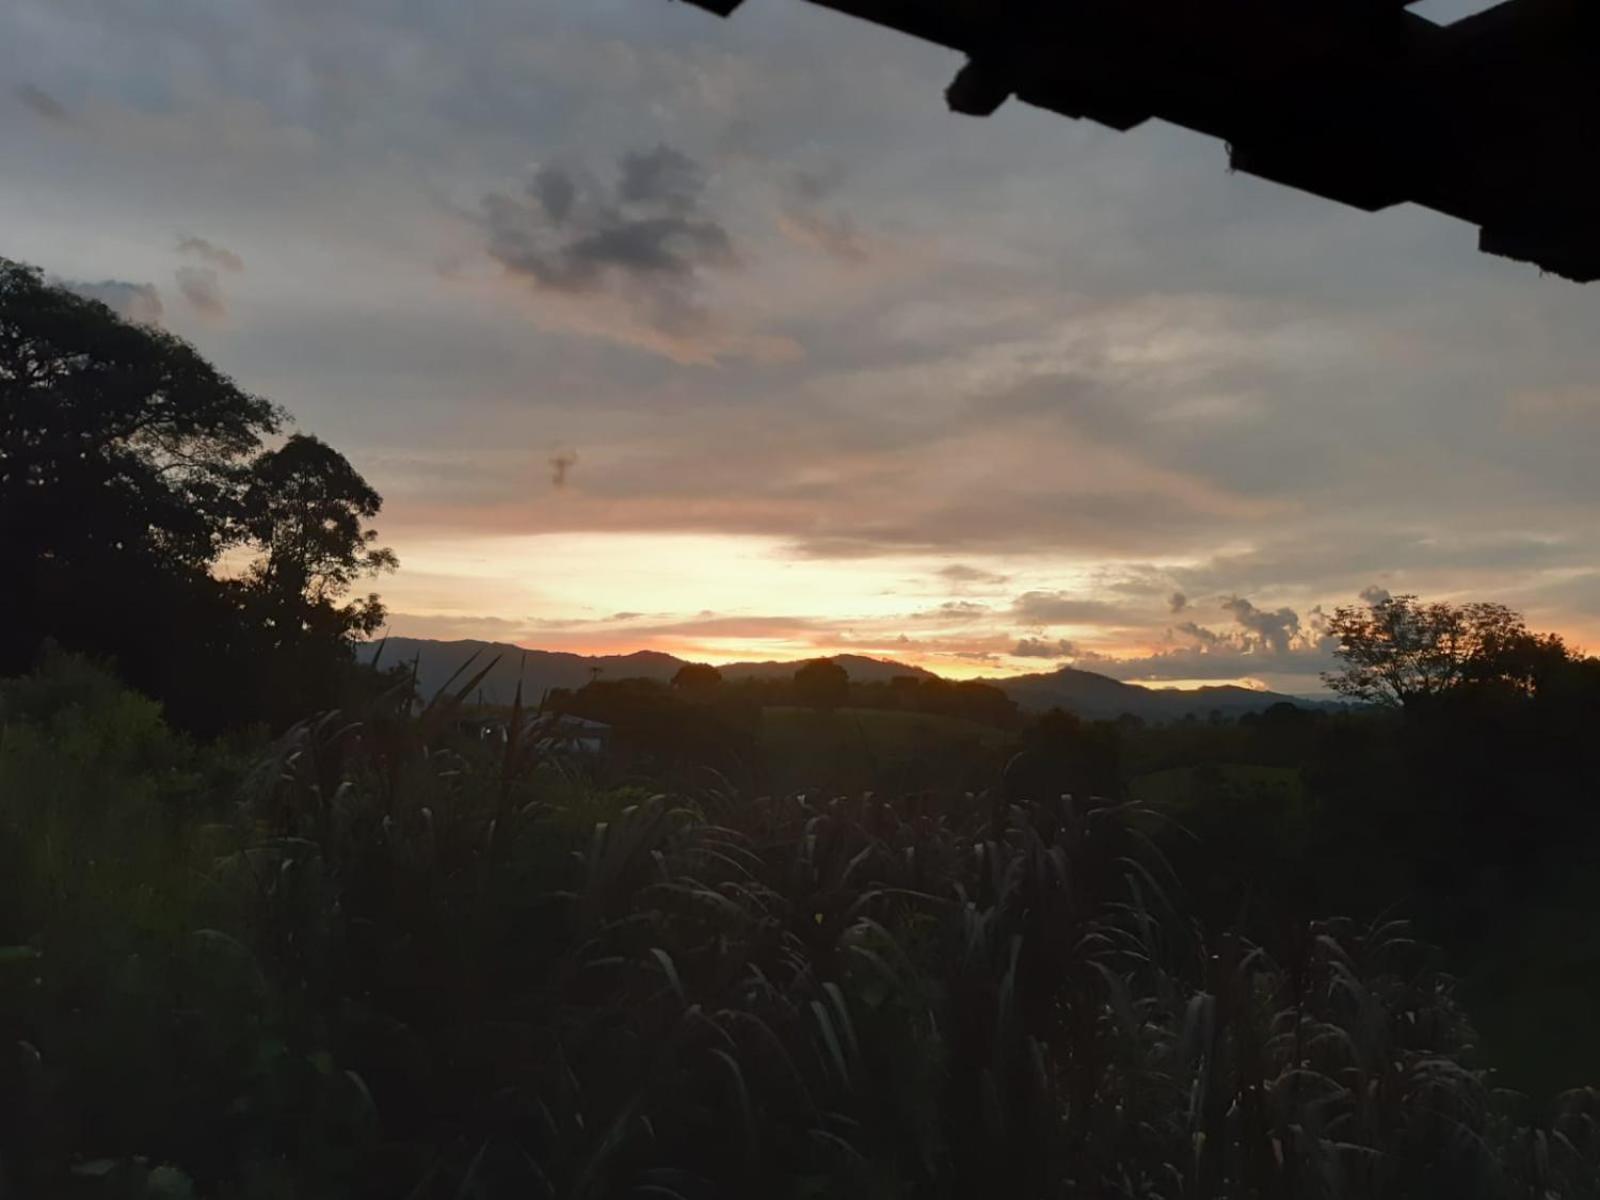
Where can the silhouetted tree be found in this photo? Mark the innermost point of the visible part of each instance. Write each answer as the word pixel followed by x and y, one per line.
pixel 1399 651
pixel 822 684
pixel 305 507
pixel 129 467
pixel 697 679
pixel 121 455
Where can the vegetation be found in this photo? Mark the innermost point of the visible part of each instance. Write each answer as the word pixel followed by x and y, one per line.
pixel 790 938
pixel 390 960
pixel 131 468
pixel 1401 652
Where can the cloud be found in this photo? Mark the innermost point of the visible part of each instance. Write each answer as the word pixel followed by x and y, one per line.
pixel 1375 594
pixel 962 573
pixel 804 221
pixel 730 626
pixel 646 238
pixel 1298 669
pixel 1044 648
pixel 139 302
pixel 211 253
pixel 561 464
pixel 1059 608
pixel 1177 602
pixel 1098 359
pixel 1202 635
pixel 954 611
pixel 1274 629
pixel 41 103
pixel 202 288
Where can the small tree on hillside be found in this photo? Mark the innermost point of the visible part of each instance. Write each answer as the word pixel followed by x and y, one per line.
pixel 697 679
pixel 822 684
pixel 1399 651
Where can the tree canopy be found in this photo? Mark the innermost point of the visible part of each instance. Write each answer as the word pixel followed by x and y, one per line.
pixel 130 470
pixel 1400 652
pixel 697 679
pixel 822 684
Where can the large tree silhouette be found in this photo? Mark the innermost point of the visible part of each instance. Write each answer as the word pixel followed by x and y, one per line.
pixel 1400 652
pixel 129 467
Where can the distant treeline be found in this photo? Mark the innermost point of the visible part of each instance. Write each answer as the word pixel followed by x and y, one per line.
pixel 820 684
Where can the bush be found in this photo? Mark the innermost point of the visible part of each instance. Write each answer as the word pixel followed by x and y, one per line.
pixel 398 961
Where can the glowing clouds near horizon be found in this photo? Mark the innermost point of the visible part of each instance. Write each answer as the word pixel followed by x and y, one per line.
pixel 617 593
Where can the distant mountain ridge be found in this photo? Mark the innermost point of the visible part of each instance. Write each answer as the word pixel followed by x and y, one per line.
pixel 1096 697
pixel 1099 697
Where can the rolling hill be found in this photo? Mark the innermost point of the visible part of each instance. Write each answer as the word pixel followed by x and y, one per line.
pixel 1082 692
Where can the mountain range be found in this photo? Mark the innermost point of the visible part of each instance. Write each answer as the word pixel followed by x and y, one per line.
pixel 1084 693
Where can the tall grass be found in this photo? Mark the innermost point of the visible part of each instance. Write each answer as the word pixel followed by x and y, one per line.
pixel 394 960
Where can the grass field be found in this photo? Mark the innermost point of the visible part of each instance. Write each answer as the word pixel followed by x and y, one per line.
pixel 849 749
pixel 1178 788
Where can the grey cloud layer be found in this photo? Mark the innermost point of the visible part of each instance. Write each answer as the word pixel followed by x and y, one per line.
pixel 1018 343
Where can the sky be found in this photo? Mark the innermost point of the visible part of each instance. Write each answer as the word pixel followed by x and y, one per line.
pixel 725 338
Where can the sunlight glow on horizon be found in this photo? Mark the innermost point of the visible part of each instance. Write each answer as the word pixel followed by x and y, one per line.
pixel 617 593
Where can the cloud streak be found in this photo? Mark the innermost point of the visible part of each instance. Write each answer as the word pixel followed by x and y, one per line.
pixel 202 288
pixel 211 254
pixel 41 103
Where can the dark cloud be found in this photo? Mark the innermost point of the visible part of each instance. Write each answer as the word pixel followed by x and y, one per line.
pixel 561 464
pixel 1202 635
pixel 1044 648
pixel 139 302
pixel 211 253
pixel 555 191
pixel 1059 608
pixel 1274 629
pixel 1177 602
pixel 202 288
pixel 1375 594
pixel 41 102
pixel 647 238
pixel 661 177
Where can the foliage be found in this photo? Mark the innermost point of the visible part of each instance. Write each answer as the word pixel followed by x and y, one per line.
pixel 697 679
pixel 1401 652
pixel 822 684
pixel 304 506
pixel 130 470
pixel 396 960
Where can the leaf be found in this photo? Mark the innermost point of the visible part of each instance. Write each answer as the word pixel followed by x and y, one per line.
pixel 746 1113
pixel 671 971
pixel 831 1040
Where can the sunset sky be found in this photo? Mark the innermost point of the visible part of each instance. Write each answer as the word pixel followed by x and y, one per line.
pixel 725 338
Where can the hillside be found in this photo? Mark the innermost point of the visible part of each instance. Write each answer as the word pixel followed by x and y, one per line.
pixel 1101 697
pixel 1082 692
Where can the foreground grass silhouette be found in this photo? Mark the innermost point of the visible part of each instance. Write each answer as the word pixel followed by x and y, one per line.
pixel 386 959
